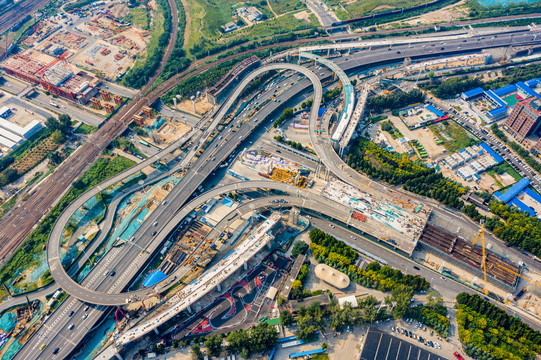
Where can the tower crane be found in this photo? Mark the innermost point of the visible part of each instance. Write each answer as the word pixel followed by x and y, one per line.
pixel 481 234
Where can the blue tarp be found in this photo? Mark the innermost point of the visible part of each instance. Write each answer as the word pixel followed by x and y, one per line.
pixel 513 191
pixel 306 353
pixel 473 92
pixel 522 206
pixel 434 110
pixel 287 339
pixel 321 111
pixel 495 98
pixel 528 90
pixel 155 277
pixel 7 322
pixel 505 90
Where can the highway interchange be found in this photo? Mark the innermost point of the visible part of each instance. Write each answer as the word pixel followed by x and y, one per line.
pixel 129 259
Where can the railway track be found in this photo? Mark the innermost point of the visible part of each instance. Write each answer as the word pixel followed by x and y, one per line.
pixel 18 224
pixel 19 11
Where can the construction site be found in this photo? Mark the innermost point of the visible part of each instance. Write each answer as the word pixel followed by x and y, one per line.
pixel 401 227
pixel 55 75
pixel 468 256
pixel 159 129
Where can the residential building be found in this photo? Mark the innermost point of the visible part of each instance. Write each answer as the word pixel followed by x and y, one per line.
pixel 525 117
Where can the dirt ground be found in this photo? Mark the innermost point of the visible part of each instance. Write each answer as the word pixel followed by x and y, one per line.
pixel 303 15
pixel 445 14
pixel 201 106
pixel 93 58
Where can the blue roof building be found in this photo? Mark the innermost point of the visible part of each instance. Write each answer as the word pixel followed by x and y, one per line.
pixel 513 191
pixel 505 90
pixel 306 353
pixel 467 95
pixel 432 109
pixel 528 90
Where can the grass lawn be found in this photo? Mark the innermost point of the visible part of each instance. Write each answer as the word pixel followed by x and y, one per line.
pixel 350 9
pixel 208 16
pixel 504 167
pixel 284 6
pixel 453 136
pixel 320 357
pixel 85 129
pixel 139 16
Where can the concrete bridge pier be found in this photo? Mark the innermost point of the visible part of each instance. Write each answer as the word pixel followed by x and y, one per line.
pixel 117 355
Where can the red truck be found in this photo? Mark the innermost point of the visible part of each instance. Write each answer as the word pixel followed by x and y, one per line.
pixel 458 356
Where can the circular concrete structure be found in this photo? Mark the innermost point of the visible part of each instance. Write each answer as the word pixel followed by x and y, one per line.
pixel 332 276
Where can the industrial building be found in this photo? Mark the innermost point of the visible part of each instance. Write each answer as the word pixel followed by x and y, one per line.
pixel 55 77
pixel 525 118
pixel 12 135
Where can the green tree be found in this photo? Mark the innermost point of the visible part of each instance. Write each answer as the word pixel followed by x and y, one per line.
pixel 434 300
pixel 196 353
pixel 58 137
pixel 299 247
pixel 237 340
pixel 263 336
pixel 214 344
pixel 286 319
pixel 400 297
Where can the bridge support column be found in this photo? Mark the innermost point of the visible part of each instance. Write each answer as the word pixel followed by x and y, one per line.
pixel 190 309
pixel 156 331
pixel 328 52
pixel 219 287
pixel 117 355
pixel 245 266
pixel 327 174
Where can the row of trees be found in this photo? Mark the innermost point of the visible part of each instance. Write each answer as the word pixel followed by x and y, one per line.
pixel 331 94
pixel 140 74
pixel 341 256
pixel 286 115
pixel 452 87
pixel 395 169
pixel 258 338
pixel 488 332
pixel 395 100
pixel 293 144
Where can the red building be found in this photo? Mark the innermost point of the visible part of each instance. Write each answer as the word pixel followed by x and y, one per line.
pixel 525 117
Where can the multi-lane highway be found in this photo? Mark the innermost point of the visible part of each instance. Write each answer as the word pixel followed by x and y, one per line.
pixel 129 259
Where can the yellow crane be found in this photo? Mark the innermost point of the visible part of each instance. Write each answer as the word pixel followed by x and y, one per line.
pixel 481 234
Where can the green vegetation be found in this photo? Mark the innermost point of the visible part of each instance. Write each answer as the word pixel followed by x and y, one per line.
pixel 34 150
pixel 489 333
pixel 85 129
pixel 503 168
pixel 395 100
pixel 433 314
pixel 391 129
pixel 479 11
pixel 208 17
pixel 139 16
pixel 78 4
pixel 258 338
pixel 284 6
pixel 331 94
pixel 453 136
pixel 286 115
pixel 397 169
pixel 34 244
pixel 125 144
pixel 299 247
pixel 293 144
pixel 7 205
pixel 178 61
pixel 523 153
pixel 141 72
pixel 451 87
pixel 337 254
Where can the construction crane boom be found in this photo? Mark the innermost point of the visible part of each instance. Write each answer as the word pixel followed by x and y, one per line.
pixel 519 275
pixel 481 234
